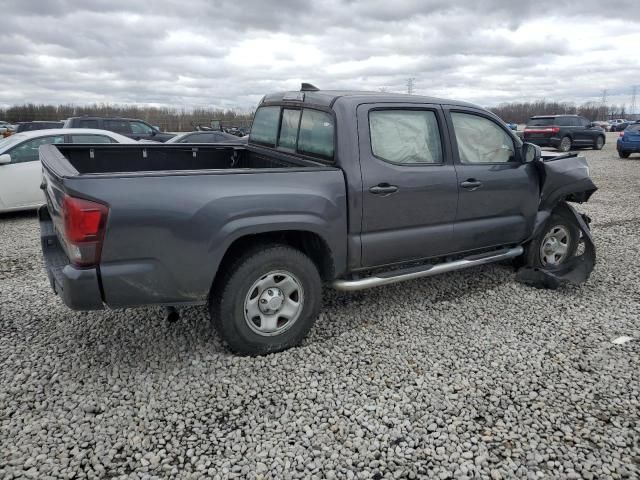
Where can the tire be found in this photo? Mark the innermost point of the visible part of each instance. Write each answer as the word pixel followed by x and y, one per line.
pixel 565 144
pixel 246 301
pixel 561 225
pixel 623 154
pixel 598 143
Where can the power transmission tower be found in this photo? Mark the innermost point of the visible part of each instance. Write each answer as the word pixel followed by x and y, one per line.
pixel 604 104
pixel 634 91
pixel 410 83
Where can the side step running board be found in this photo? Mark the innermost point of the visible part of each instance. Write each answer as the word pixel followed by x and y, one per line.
pixel 427 270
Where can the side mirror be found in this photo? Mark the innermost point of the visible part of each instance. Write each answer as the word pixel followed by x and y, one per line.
pixel 530 152
pixel 5 159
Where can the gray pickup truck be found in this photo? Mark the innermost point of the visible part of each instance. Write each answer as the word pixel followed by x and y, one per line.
pixel 347 189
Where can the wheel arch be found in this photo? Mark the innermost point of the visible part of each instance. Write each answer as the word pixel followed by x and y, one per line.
pixel 307 241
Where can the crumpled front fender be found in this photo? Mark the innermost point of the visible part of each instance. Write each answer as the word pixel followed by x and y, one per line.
pixel 575 271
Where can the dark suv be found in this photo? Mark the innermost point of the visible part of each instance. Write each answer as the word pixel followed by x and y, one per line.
pixel 563 132
pixel 129 127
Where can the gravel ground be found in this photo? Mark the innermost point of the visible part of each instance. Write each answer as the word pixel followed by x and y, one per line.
pixel 465 375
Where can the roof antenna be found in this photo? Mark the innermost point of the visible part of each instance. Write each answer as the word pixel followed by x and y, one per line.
pixel 307 87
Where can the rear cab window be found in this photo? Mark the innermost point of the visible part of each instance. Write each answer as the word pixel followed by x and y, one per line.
pixel 304 131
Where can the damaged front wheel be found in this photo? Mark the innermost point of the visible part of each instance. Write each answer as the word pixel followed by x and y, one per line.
pixel 557 242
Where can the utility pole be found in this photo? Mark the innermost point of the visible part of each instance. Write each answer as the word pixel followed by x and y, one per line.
pixel 634 91
pixel 410 83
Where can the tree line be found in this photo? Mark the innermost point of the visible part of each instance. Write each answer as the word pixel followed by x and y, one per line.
pixel 168 119
pixel 520 112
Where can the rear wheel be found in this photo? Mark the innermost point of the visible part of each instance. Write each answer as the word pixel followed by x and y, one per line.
pixel 556 243
pixel 565 144
pixel 623 154
pixel 267 300
pixel 599 143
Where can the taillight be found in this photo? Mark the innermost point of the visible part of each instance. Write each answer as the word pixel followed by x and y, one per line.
pixel 555 129
pixel 622 133
pixel 84 225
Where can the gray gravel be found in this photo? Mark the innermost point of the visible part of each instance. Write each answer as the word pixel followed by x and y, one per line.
pixel 465 375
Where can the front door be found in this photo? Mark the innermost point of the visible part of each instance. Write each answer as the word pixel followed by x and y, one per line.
pixel 20 180
pixel 410 189
pixel 499 194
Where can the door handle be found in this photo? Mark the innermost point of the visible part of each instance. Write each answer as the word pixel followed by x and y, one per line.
pixel 471 184
pixel 383 189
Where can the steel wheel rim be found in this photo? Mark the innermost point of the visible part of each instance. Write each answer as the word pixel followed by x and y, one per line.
pixel 554 248
pixel 273 303
pixel 599 143
pixel 565 144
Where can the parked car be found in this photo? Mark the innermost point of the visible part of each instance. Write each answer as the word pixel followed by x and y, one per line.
pixel 129 127
pixel 629 140
pixel 616 124
pixel 31 126
pixel 205 137
pixel 564 132
pixel 6 129
pixel 20 170
pixel 350 189
pixel 619 127
pixel 603 125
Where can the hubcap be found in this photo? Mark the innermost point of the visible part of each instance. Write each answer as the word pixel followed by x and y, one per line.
pixel 555 245
pixel 274 303
pixel 565 145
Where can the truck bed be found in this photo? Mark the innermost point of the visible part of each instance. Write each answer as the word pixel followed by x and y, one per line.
pixel 175 210
pixel 107 159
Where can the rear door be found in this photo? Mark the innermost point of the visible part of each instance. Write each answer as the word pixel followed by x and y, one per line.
pixel 20 179
pixel 410 188
pixel 499 194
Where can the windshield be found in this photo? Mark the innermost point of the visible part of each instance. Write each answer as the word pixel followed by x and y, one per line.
pixel 541 122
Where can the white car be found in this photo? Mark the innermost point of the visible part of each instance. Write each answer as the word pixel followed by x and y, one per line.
pixel 20 170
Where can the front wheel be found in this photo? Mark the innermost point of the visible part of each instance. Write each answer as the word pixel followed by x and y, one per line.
pixel 267 300
pixel 623 154
pixel 556 243
pixel 599 143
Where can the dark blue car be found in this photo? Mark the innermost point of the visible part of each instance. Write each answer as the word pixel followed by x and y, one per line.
pixel 629 141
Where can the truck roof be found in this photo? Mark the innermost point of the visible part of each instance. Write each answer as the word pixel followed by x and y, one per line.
pixel 326 98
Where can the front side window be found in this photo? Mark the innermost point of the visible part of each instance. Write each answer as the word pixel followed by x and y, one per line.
pixel 118 126
pixel 28 151
pixel 264 129
pixel 91 139
pixel 141 128
pixel 481 140
pixel 289 129
pixel 316 134
pixel 405 136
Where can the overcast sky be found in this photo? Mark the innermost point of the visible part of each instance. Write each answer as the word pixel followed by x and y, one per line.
pixel 195 53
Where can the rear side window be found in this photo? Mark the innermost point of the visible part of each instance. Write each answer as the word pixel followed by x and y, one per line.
pixel 634 128
pixel 289 129
pixel 88 124
pixel 265 126
pixel 91 139
pixel 316 134
pixel 405 136
pixel 28 151
pixel 118 126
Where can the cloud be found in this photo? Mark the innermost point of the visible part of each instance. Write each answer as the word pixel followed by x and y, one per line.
pixel 228 54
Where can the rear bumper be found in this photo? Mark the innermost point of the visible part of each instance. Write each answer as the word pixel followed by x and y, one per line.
pixel 79 288
pixel 631 147
pixel 543 141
